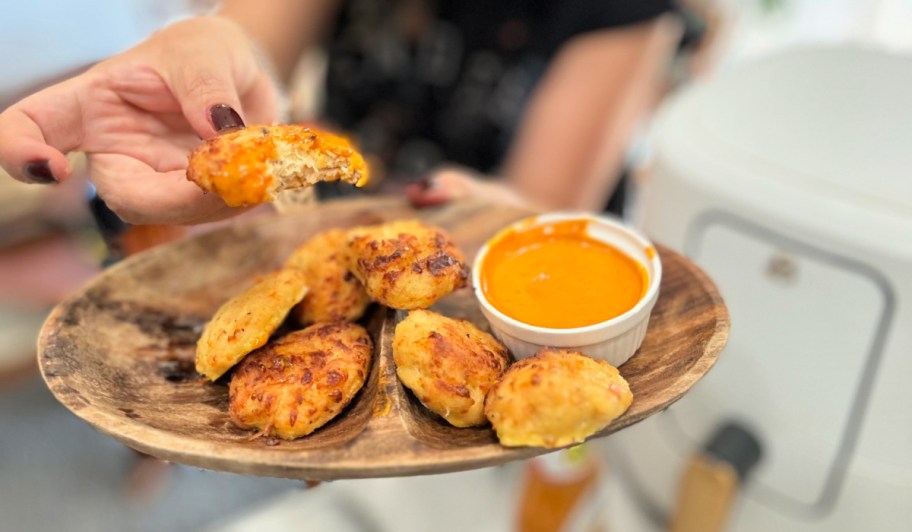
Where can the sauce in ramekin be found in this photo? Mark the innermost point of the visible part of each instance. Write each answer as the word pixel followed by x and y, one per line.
pixel 555 275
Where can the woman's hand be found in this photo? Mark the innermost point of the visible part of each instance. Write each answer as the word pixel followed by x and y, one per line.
pixel 454 183
pixel 138 114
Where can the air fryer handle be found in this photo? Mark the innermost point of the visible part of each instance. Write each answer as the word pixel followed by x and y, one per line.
pixel 712 479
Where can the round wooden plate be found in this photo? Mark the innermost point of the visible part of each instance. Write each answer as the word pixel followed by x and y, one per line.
pixel 119 354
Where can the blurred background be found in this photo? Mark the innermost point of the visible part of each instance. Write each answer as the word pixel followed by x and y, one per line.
pixel 778 158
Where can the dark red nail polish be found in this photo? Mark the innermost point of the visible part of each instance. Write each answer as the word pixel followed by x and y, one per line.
pixel 223 118
pixel 422 184
pixel 39 172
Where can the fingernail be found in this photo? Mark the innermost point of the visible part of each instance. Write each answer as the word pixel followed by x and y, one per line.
pixel 40 172
pixel 223 117
pixel 424 184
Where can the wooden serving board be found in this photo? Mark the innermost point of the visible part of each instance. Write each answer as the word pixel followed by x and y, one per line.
pixel 119 354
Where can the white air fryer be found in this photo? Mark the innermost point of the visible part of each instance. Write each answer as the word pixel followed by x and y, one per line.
pixel 789 181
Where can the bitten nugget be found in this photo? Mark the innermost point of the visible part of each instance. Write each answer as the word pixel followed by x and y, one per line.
pixel 448 364
pixel 251 165
pixel 298 383
pixel 335 293
pixel 246 321
pixel 555 398
pixel 406 264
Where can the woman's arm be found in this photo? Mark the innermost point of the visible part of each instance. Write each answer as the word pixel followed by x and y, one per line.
pixel 580 119
pixel 282 28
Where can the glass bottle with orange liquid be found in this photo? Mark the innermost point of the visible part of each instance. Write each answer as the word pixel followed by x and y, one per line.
pixel 561 492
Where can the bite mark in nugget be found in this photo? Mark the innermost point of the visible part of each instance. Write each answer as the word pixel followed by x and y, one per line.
pixel 335 293
pixel 555 398
pixel 246 321
pixel 298 383
pixel 448 364
pixel 253 164
pixel 406 264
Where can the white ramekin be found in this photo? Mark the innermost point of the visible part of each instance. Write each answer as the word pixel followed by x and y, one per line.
pixel 615 340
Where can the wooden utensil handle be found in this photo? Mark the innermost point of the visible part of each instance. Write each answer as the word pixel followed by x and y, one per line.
pixel 712 478
pixel 706 493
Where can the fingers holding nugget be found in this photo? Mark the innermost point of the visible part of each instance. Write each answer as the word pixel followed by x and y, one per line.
pixel 253 164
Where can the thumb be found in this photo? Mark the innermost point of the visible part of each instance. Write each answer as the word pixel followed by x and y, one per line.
pixel 209 64
pixel 443 186
pixel 451 184
pixel 425 193
pixel 208 98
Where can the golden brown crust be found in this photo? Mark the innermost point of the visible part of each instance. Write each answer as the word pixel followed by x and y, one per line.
pixel 246 321
pixel 448 364
pixel 300 382
pixel 335 293
pixel 555 398
pixel 250 165
pixel 406 264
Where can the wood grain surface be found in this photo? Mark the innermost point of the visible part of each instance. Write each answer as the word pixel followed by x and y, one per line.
pixel 119 353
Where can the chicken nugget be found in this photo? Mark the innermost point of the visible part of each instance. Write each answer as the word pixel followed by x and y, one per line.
pixel 298 383
pixel 251 165
pixel 406 264
pixel 448 364
pixel 555 398
pixel 335 293
pixel 246 321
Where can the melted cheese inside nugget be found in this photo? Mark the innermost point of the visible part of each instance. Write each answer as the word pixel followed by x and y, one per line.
pixel 298 383
pixel 253 164
pixel 555 398
pixel 335 293
pixel 246 321
pixel 406 264
pixel 448 364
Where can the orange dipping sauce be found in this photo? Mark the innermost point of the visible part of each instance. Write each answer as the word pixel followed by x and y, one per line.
pixel 557 276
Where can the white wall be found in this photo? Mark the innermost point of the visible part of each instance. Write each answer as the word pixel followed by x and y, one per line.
pixel 44 39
